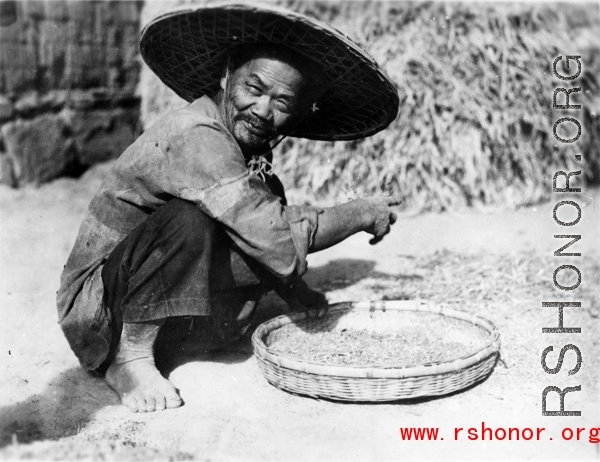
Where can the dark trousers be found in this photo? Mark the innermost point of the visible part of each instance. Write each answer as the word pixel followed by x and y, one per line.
pixel 179 265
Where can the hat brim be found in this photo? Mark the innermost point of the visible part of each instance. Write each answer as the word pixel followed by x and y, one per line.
pixel 187 49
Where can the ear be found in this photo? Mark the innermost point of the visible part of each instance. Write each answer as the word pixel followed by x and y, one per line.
pixel 224 77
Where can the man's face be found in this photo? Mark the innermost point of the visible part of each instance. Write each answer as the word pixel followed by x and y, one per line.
pixel 259 100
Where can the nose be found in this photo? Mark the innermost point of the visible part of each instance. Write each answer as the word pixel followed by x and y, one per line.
pixel 262 108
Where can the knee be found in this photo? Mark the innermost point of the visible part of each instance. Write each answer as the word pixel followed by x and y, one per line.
pixel 184 222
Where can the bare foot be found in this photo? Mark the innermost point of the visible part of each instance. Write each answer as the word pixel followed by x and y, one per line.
pixel 141 387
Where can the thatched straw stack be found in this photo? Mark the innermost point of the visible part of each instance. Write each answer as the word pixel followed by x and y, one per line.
pixel 475 124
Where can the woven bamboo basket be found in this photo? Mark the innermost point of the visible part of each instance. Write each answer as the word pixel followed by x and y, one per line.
pixel 382 382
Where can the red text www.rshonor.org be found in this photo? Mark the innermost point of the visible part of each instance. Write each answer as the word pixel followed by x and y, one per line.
pixel 485 433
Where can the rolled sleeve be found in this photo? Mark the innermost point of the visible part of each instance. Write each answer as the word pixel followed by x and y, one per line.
pixel 275 235
pixel 303 225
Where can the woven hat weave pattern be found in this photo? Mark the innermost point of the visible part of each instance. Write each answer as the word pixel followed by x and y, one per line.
pixel 187 49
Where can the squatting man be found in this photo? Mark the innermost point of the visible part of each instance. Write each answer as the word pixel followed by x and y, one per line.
pixel 191 227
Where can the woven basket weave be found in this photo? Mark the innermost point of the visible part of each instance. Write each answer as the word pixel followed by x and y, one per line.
pixel 187 49
pixel 378 383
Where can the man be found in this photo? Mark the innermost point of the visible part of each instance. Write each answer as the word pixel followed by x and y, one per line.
pixel 191 226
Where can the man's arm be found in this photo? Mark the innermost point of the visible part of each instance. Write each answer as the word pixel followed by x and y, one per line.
pixel 371 214
pixel 335 224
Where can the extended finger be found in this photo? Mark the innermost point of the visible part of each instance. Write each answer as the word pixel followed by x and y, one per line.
pixel 380 232
pixel 375 240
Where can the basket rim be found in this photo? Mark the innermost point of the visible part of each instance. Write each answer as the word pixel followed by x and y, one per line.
pixel 263 352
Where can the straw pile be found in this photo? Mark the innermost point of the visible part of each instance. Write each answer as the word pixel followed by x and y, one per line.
pixel 475 121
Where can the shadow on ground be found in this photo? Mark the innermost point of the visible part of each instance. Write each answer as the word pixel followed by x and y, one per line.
pixel 177 354
pixel 62 409
pixel 71 399
pixel 345 272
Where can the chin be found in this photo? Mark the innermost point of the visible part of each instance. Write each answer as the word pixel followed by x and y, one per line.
pixel 249 141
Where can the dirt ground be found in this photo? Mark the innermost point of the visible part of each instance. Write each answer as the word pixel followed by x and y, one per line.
pixel 494 262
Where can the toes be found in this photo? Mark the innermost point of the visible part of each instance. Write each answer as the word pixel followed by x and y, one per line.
pixel 161 404
pixel 130 401
pixel 173 402
pixel 162 401
pixel 150 403
pixel 172 398
pixel 141 387
pixel 141 404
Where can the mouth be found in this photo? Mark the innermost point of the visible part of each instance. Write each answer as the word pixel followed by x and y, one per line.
pixel 256 129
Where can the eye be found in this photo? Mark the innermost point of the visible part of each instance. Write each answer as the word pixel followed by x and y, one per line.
pixel 283 106
pixel 254 89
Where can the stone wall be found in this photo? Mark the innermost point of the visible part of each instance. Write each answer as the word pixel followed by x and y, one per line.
pixel 68 77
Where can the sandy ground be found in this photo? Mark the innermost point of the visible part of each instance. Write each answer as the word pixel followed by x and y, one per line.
pixel 489 261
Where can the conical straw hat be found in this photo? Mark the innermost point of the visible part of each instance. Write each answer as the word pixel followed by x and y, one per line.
pixel 187 49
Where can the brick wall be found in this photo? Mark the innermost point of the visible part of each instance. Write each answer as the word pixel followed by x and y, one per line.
pixel 68 77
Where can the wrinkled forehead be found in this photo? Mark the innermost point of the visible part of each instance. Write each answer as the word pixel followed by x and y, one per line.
pixel 272 73
pixel 244 54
